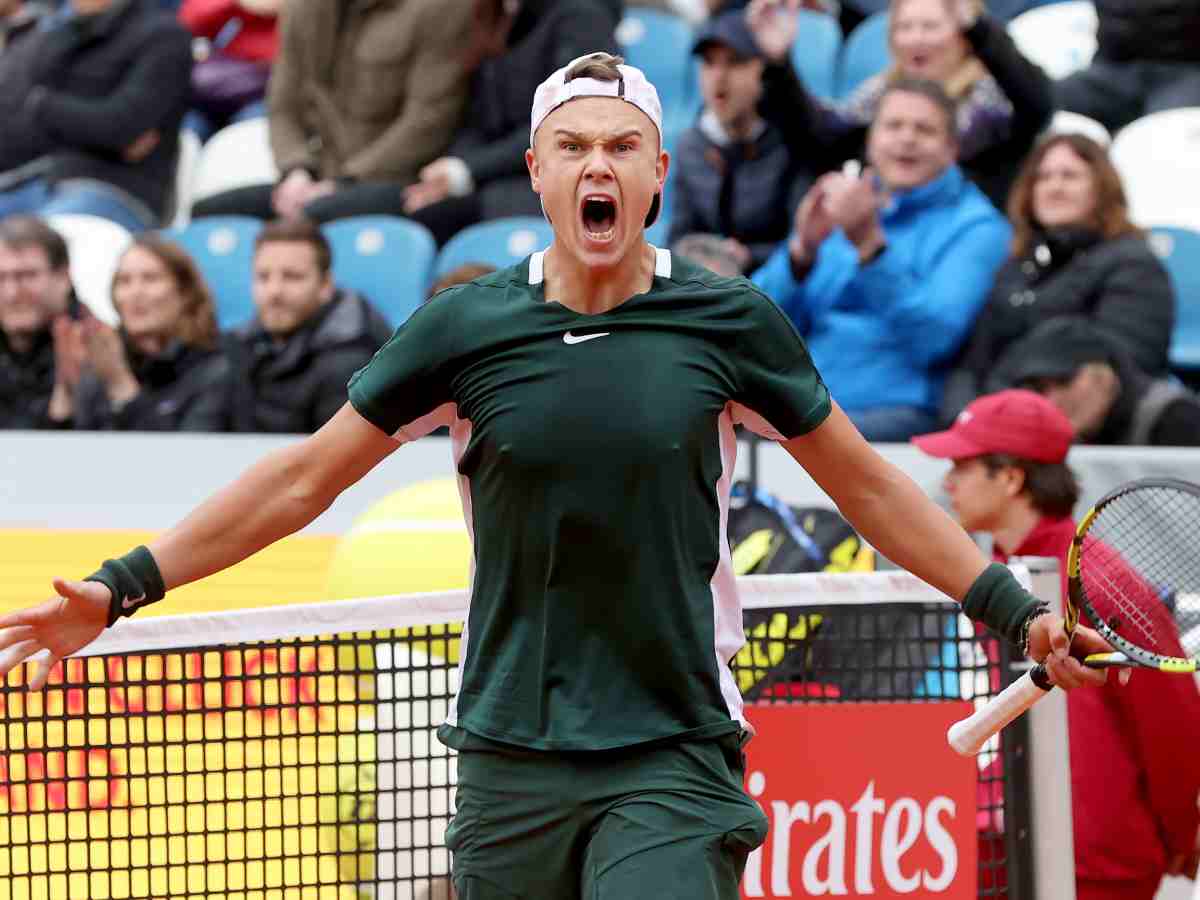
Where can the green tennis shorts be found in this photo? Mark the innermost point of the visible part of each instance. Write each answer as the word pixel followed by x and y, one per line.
pixel 667 822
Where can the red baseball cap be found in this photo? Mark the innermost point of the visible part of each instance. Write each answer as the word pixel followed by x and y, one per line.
pixel 1016 422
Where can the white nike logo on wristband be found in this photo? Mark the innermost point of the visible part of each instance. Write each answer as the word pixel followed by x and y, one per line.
pixel 130 604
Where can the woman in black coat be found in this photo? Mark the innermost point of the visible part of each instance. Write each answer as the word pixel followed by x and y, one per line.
pixel 1075 253
pixel 161 369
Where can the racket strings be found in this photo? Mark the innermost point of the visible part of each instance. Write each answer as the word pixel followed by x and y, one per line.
pixel 1140 569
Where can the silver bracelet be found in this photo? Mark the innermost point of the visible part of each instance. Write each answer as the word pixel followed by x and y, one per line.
pixel 1038 611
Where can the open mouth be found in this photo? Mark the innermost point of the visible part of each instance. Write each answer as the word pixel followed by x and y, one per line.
pixel 599 217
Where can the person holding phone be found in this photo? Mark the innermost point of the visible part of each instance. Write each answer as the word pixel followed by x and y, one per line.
pixel 885 271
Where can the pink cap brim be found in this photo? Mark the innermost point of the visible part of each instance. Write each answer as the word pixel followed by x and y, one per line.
pixel 947 445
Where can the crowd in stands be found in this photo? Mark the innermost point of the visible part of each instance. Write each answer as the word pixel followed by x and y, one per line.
pixel 931 231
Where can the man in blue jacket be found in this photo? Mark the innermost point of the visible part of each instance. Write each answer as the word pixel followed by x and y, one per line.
pixel 885 272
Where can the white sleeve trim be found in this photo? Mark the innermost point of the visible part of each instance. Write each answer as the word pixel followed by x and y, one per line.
pixel 743 415
pixel 445 414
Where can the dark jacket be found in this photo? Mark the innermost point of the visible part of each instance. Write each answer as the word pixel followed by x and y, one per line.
pixel 27 379
pixel 746 191
pixel 86 89
pixel 294 386
pixel 1157 30
pixel 546 35
pixel 1119 285
pixel 994 135
pixel 1147 411
pixel 184 389
pixel 26 382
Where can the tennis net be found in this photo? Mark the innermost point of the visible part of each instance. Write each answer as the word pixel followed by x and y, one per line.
pixel 290 752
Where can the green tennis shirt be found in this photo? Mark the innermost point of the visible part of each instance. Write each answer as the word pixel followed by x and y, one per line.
pixel 595 454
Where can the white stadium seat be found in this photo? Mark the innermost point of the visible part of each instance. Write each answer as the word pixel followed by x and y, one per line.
pixel 1059 37
pixel 1065 122
pixel 185 172
pixel 95 246
pixel 1158 157
pixel 238 155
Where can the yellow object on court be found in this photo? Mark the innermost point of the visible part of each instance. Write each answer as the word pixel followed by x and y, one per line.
pixel 409 541
pixel 289 571
pixel 188 773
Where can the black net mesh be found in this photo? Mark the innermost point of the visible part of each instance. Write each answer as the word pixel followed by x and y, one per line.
pixel 309 768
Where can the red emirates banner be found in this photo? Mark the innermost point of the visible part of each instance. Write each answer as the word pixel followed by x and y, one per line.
pixel 863 800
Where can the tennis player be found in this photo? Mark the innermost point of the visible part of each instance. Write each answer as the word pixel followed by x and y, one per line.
pixel 591 393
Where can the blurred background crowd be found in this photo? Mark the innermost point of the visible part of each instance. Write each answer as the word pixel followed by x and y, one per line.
pixel 213 211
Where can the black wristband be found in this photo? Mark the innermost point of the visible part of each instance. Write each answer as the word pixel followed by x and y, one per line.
pixel 134 580
pixel 998 601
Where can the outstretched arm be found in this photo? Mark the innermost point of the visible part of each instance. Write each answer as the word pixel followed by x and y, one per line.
pixel 887 507
pixel 275 497
pixel 897 518
pixel 278 495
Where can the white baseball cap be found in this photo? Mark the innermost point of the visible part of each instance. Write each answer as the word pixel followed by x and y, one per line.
pixel 632 87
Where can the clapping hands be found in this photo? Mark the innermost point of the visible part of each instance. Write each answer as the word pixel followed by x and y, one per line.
pixel 837 200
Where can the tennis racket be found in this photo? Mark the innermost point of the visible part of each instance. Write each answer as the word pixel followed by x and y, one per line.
pixel 1134 571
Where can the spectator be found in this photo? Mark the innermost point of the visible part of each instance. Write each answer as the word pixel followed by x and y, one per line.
pixel 91 108
pixel 692 11
pixel 362 95
pixel 734 169
pixel 884 273
pixel 17 19
pixel 161 369
pixel 1002 100
pixel 292 361
pixel 1133 798
pixel 1074 253
pixel 35 289
pixel 1108 399
pixel 715 253
pixel 1146 61
pixel 460 275
pixel 229 81
pixel 517 45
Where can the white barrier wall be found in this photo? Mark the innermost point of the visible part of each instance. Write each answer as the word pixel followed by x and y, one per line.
pixel 94 480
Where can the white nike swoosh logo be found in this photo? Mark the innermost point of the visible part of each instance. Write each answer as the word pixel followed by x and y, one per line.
pixel 130 604
pixel 569 338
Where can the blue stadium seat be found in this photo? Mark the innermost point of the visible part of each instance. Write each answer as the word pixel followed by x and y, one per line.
pixel 386 259
pixel 815 52
pixel 1179 250
pixel 660 44
pixel 223 248
pixel 500 242
pixel 864 53
pixel 657 233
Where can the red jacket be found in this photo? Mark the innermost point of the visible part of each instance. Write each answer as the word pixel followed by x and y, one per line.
pixel 1134 775
pixel 256 37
